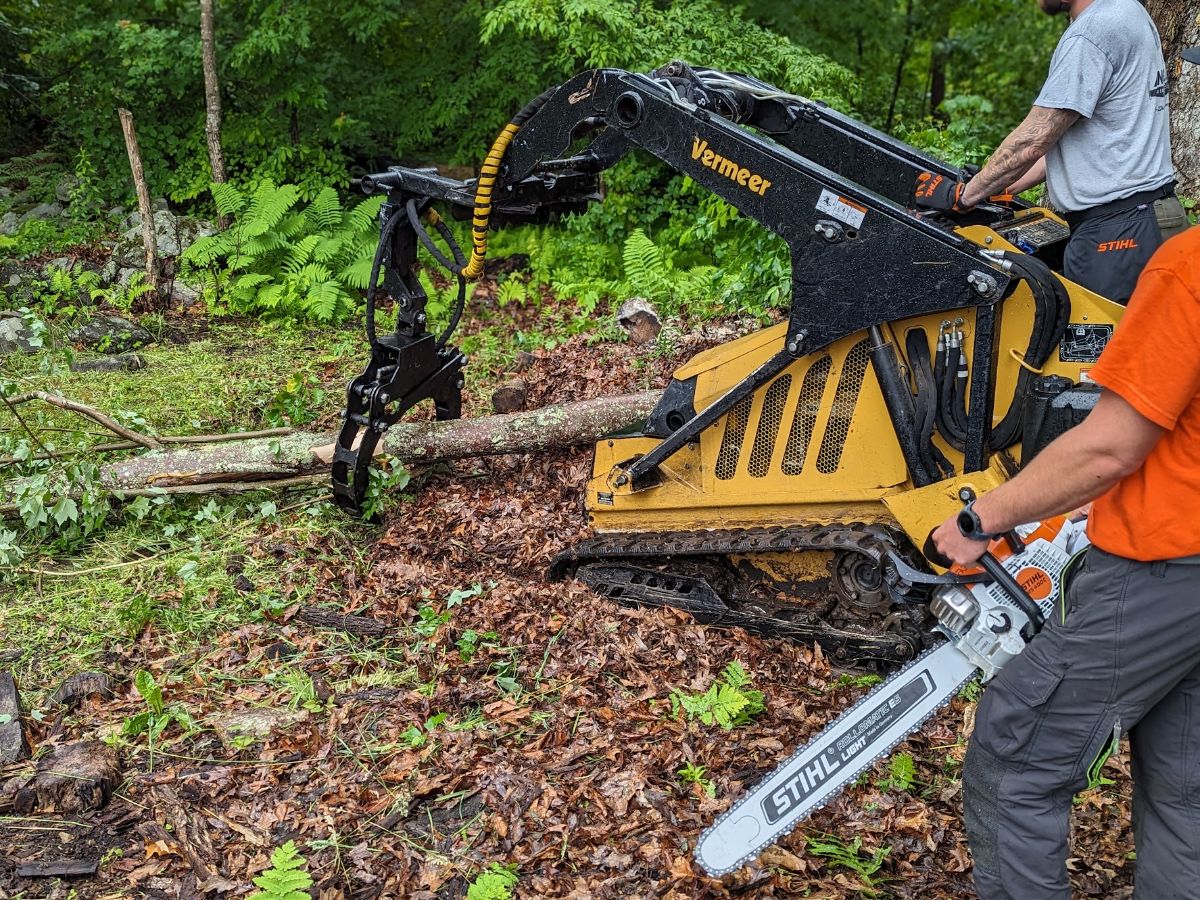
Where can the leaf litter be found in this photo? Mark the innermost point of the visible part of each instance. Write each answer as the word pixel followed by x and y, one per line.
pixel 407 764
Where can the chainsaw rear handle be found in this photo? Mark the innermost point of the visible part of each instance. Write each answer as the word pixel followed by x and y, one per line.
pixel 1001 576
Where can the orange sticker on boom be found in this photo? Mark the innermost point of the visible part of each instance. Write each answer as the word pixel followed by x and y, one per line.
pixel 1036 582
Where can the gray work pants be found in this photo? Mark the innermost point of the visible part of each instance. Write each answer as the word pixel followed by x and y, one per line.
pixel 1122 653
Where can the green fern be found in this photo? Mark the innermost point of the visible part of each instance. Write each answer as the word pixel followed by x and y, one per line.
pixel 287 878
pixel 728 702
pixel 494 883
pixel 288 259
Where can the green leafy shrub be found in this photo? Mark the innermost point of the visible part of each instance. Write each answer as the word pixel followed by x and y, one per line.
pixel 284 258
pixel 287 879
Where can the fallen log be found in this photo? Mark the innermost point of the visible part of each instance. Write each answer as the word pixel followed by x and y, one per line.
pixel 304 456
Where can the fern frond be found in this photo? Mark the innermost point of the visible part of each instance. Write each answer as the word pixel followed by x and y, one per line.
pixel 287 878
pixel 300 253
pixel 325 300
pixel 364 215
pixel 330 248
pixel 357 274
pixel 325 211
pixel 230 201
pixel 313 273
pixel 269 205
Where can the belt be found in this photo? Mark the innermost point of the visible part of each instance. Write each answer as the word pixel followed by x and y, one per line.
pixel 1075 219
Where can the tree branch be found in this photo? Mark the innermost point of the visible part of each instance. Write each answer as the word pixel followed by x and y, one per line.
pixel 95 415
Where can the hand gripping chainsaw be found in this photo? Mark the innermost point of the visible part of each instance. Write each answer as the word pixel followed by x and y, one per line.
pixel 987 618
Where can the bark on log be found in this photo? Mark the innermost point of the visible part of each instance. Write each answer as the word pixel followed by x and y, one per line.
pixel 13 746
pixel 363 626
pixel 300 454
pixel 1178 24
pixel 143 195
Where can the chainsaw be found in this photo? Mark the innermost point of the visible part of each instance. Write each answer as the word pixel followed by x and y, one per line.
pixel 986 617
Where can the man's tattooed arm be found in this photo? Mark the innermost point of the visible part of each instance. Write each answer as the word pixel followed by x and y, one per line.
pixel 1030 141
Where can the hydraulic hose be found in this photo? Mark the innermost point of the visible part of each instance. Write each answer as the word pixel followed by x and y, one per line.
pixel 385 234
pixel 925 402
pixel 1052 312
pixel 488 173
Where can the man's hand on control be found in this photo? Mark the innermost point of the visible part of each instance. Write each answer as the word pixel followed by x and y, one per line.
pixel 955 546
pixel 934 191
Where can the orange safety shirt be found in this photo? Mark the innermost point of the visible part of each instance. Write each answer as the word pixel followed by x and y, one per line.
pixel 1153 363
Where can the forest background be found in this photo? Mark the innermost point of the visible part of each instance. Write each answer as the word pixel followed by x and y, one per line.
pixel 315 94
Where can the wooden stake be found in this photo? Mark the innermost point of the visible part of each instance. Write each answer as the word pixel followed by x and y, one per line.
pixel 143 195
pixel 212 99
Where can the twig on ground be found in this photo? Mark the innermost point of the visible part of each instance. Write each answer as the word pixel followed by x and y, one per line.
pixel 94 414
pixel 229 487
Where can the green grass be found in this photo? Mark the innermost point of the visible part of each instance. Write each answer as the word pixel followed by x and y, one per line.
pixel 137 583
pixel 223 380
pixel 158 572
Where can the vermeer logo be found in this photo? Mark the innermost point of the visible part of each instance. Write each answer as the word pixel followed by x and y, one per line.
pixel 728 168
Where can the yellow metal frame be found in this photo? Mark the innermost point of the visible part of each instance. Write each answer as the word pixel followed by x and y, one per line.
pixel 870 481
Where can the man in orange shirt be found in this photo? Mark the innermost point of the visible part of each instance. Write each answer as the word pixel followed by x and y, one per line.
pixel 1123 653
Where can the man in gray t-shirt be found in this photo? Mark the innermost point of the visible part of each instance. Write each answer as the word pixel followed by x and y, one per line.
pixel 1099 135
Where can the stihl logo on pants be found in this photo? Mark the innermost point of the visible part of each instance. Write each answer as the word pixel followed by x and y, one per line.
pixel 1112 246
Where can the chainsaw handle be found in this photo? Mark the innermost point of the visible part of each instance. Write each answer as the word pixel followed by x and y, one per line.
pixel 1001 576
pixel 1016 593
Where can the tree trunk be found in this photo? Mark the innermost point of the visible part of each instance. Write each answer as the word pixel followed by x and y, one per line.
pixel 237 465
pixel 1178 24
pixel 143 196
pixel 212 98
pixel 901 63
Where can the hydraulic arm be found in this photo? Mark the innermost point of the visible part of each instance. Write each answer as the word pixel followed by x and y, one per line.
pixel 720 482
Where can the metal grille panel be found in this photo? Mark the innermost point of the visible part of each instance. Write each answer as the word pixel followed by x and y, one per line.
pixel 812 389
pixel 731 443
pixel 768 426
pixel 854 370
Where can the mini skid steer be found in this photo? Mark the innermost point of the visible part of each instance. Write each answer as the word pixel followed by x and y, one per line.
pixel 786 480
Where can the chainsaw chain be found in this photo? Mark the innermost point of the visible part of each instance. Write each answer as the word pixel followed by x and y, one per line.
pixel 872 541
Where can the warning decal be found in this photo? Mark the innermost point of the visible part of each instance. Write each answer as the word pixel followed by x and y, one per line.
pixel 842 209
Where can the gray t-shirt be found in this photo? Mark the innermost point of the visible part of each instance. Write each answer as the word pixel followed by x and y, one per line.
pixel 1109 68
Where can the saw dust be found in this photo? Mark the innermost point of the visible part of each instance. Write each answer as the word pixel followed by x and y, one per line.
pixel 501 719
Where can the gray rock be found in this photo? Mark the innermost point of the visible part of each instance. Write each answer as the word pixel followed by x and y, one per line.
pixel 43 211
pixel 169 237
pixel 640 320
pixel 5 192
pixel 122 362
pixel 118 212
pixel 111 334
pixel 125 275
pixel 15 336
pixel 166 233
pixel 65 186
pixel 255 724
pixel 108 272
pixel 64 263
pixel 185 296
pixel 9 223
pixel 159 203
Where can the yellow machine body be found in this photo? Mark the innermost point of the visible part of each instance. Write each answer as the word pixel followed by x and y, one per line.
pixel 816 444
